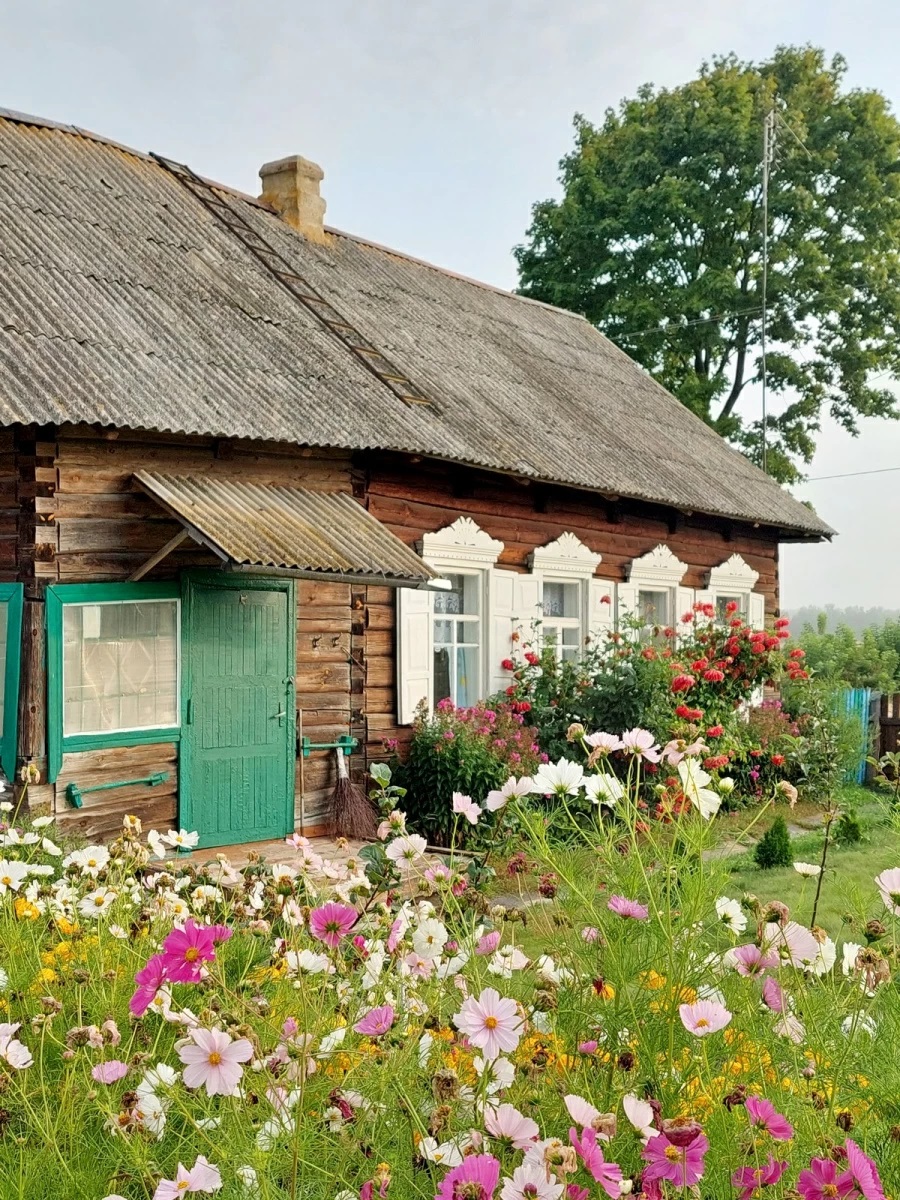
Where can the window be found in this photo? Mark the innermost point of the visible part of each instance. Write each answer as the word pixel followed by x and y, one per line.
pixel 722 602
pixel 654 596
pixel 457 641
pixel 731 582
pixel 561 627
pixel 10 658
pixel 114 665
pixel 655 609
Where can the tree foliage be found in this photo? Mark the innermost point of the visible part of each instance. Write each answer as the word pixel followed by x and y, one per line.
pixel 658 241
pixel 870 659
pixel 774 848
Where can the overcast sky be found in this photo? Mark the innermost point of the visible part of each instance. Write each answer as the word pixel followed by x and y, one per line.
pixel 438 124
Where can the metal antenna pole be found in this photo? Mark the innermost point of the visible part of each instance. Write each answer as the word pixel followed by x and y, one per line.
pixel 769 125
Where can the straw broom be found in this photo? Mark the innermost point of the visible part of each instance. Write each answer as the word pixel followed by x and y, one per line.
pixel 354 815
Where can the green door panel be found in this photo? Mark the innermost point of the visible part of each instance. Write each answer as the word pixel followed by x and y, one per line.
pixel 238 736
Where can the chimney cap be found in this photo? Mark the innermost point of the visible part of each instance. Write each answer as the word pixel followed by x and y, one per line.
pixel 291 187
pixel 304 167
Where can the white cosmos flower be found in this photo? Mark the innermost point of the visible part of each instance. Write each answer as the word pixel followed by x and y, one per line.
pixel 426 1041
pixel 640 1114
pixel 825 959
pixel 507 959
pixel 849 951
pixel 888 884
pixel 90 861
pixel 97 902
pixel 12 875
pixel 603 789
pixel 562 778
pixel 465 806
pixel 331 1041
pixel 810 870
pixel 429 938
pixel 500 1073
pixel 307 962
pixel 551 972
pixel 693 783
pixel 862 1023
pixel 731 914
pixel 181 839
pixel 50 848
pixel 406 851
pixel 513 787
pixel 4 980
pixel 42 822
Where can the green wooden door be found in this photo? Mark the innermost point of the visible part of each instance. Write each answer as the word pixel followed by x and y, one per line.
pixel 238 731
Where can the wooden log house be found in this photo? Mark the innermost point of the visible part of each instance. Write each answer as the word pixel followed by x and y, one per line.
pixel 261 480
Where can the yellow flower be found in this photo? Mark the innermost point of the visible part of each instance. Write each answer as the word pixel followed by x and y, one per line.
pixel 604 990
pixel 25 910
pixel 65 927
pixel 652 980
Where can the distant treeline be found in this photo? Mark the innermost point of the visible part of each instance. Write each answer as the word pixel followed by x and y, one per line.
pixel 855 617
pixel 859 647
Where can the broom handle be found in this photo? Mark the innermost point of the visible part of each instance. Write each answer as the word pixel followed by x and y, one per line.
pixel 343 773
pixel 302 774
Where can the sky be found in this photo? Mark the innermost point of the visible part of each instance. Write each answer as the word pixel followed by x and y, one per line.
pixel 438 124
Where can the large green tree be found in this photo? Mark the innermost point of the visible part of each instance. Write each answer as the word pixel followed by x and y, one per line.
pixel 658 240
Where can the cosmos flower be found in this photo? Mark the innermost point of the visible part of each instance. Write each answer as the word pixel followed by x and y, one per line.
pixel 603 743
pixel 491 1023
pixel 212 1060
pixel 624 907
pixel 603 789
pixel 731 914
pixel 704 1017
pixel 763 1116
pixel 751 960
pixel 809 870
pixel 607 1174
pixel 888 884
pixel 466 807
pixel 185 950
pixel 110 1071
pixel 330 923
pixel 406 851
pixel 750 1179
pixel 504 1121
pixel 640 743
pixel 681 1165
pixel 202 1177
pixel 693 783
pixel 476 1176
pixel 499 798
pixel 562 778
pixel 531 1182
pixel 376 1022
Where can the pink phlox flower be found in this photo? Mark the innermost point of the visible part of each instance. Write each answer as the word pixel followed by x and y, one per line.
pixel 624 907
pixel 212 1060
pixel 773 996
pixel 489 943
pixel 821 1181
pixel 864 1172
pixel 376 1022
pixel 331 922
pixel 641 744
pixel 750 1179
pixel 751 960
pixel 202 1177
pixel 186 950
pixel 476 1177
pixel 505 1121
pixel 704 1017
pixel 763 1115
pixel 607 1174
pixel 150 978
pixel 681 1165
pixel 110 1071
pixel 491 1023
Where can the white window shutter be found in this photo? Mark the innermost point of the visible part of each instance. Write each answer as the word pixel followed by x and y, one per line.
pixel 756 613
pixel 704 596
pixel 529 606
pixel 626 607
pixel 415 651
pixel 503 595
pixel 684 603
pixel 601 609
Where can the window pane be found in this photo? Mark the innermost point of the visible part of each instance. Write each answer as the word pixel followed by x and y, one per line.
pixel 654 607
pixel 442 684
pixel 560 599
pixel 120 666
pixel 443 631
pixel 571 636
pixel 462 596
pixel 722 603
pixel 4 626
pixel 467 677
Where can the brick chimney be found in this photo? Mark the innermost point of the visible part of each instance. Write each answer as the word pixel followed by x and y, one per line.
pixel 291 187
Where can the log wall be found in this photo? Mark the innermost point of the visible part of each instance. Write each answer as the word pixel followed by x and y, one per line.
pixel 412 501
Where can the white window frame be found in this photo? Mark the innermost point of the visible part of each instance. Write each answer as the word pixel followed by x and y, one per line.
pixel 657 571
pixel 568 560
pixel 120 730
pixel 478 619
pixel 736 579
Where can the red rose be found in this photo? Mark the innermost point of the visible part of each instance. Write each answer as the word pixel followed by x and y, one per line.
pixel 700 665
pixel 715 762
pixel 508 665
pixel 683 683
pixel 777 760
pixel 715 731
pixel 713 676
pixel 531 658
pixel 510 691
pixel 732 606
pixel 782 622
pixel 798 653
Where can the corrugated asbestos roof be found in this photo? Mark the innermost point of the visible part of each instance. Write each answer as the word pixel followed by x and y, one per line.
pixel 124 302
pixel 290 529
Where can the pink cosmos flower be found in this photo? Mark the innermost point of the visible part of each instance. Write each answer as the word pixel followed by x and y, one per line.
pixel 607 1174
pixel 331 922
pixel 641 744
pixel 185 950
pixel 202 1177
pixel 704 1017
pixel 582 1111
pixel 398 928
pixel 110 1072
pixel 773 996
pixel 465 806
pixel 489 943
pixel 673 752
pixel 589 1047
pixel 792 942
pixel 376 1022
pixel 505 1121
pixel 213 1060
pixel 762 1115
pixel 476 1176
pixel 590 934
pixel 864 1172
pixel 751 960
pixel 603 743
pixel 530 1182
pixel 821 1181
pixel 750 1179
pixel 628 908
pixel 491 1023
pixel 681 1165
pixel 149 979
pixel 888 884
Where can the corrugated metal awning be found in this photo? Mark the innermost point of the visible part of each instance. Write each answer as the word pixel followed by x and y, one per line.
pixel 286 529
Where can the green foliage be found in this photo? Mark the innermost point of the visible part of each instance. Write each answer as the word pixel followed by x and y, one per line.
pixel 658 241
pixel 848 830
pixel 831 740
pixel 843 657
pixel 774 848
pixel 852 615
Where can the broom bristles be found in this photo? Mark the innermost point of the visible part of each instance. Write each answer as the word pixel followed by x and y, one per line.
pixel 354 816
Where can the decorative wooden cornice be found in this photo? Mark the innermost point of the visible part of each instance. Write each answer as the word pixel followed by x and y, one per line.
pixel 660 567
pixel 567 555
pixel 462 542
pixel 734 575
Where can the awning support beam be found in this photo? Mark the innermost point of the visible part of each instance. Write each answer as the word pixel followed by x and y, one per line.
pixel 163 552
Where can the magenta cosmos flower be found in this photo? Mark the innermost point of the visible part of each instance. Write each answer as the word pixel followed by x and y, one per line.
pixel 475 1178
pixel 202 1177
pixel 751 960
pixel 773 996
pixel 704 1017
pixel 624 907
pixel 821 1181
pixel 331 922
pixel 607 1174
pixel 762 1115
pixel 681 1165
pixel 185 950
pixel 212 1060
pixel 376 1022
pixel 149 979
pixel 864 1172
pixel 751 1179
pixel 491 1023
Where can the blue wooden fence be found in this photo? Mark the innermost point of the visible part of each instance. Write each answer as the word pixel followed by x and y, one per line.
pixel 857 704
